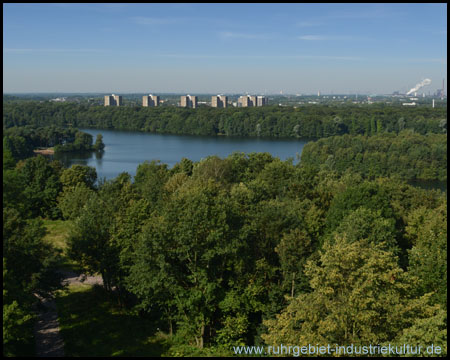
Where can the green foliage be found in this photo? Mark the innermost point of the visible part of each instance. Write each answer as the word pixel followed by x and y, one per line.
pixel 427 229
pixel 71 201
pixel 214 168
pixel 78 175
pixel 21 140
pixel 427 331
pixel 359 296
pixel 308 121
pixel 29 260
pixel 371 195
pixel 99 145
pixel 8 160
pixel 41 185
pixel 293 250
pixel 186 260
pixel 407 156
pixel 150 179
pixel 17 319
pixel 363 223
pixel 233 251
pixel 13 194
pixel 17 147
pixel 17 329
pixel 28 267
pixel 184 166
pixel 89 240
pixel 92 325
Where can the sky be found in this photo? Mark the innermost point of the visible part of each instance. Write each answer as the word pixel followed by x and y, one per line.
pixel 223 48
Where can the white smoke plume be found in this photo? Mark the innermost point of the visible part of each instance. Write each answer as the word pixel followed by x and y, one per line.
pixel 423 83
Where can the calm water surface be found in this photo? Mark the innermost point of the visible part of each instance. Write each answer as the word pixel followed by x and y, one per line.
pixel 125 150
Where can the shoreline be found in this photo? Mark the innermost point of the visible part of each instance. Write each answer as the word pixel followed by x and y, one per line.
pixel 48 151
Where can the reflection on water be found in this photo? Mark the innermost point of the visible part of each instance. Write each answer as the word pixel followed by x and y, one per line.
pixel 78 157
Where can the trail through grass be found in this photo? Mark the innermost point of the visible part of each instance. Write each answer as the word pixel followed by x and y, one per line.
pixel 90 322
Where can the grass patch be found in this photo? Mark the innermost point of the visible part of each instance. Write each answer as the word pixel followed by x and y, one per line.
pixel 57 235
pixel 91 325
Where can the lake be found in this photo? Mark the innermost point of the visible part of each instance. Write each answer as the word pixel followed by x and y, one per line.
pixel 125 150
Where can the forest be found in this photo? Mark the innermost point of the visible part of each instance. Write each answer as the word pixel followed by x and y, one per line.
pixel 308 122
pixel 21 141
pixel 407 156
pixel 244 250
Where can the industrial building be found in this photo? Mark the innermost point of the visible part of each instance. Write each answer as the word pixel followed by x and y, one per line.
pixel 113 100
pixel 188 101
pixel 150 100
pixel 219 101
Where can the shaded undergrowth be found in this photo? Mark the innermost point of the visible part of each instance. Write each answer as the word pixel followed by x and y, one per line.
pixel 92 325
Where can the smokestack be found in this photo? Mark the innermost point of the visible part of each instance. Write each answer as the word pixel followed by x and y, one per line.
pixel 424 82
pixel 433 103
pixel 442 93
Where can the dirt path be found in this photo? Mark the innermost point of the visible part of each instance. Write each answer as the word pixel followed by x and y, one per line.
pixel 49 342
pixel 70 277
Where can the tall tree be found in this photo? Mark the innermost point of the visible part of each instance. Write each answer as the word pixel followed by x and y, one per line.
pixel 427 230
pixel 359 296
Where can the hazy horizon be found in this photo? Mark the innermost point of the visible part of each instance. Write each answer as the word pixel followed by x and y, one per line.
pixel 339 49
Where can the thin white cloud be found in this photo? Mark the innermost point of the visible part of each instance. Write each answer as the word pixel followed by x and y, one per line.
pixel 144 20
pixel 328 37
pixel 308 23
pixel 10 50
pixel 312 37
pixel 234 35
pixel 208 56
pixel 424 60
pixel 328 57
pixel 376 12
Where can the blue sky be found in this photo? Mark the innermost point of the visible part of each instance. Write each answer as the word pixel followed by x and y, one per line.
pixel 223 48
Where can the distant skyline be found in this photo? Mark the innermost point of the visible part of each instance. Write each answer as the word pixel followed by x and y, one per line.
pixel 223 48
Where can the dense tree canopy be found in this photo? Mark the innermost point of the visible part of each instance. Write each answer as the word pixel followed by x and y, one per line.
pixel 359 296
pixel 407 156
pixel 225 250
pixel 22 140
pixel 308 121
pixel 243 250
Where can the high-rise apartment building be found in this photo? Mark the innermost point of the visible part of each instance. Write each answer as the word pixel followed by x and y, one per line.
pixel 113 100
pixel 118 99
pixel 261 101
pixel 219 101
pixel 251 101
pixel 244 101
pixel 109 100
pixel 189 101
pixel 150 100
